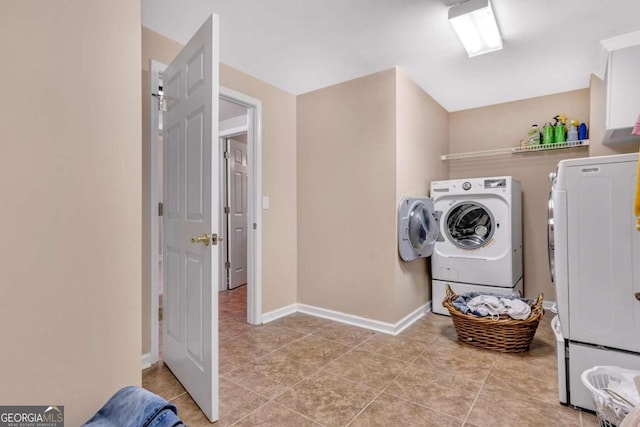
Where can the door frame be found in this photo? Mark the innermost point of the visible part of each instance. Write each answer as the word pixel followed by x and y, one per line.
pixel 254 199
pixel 254 203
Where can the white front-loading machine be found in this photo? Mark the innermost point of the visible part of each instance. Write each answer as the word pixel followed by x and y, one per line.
pixel 481 225
pixel 594 257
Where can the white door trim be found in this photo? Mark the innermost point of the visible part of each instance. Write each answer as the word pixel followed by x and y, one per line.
pixel 254 200
pixel 156 69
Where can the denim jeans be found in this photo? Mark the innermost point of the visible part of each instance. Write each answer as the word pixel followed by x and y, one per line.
pixel 136 407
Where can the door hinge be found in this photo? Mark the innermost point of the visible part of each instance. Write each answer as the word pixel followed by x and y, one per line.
pixel 162 100
pixel 227 265
pixel 566 352
pixel 227 210
pixel 160 208
pixel 255 226
pixel 226 154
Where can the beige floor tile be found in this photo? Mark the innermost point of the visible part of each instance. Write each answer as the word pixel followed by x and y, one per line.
pixel 436 390
pixel 234 353
pixel 497 406
pixel 190 413
pixel 589 420
pixel 302 323
pixel 158 379
pixel 344 334
pixel 472 367
pixel 389 410
pixel 269 337
pixel 327 399
pixel 526 376
pixel 313 351
pixel 445 346
pixel 274 415
pixel 270 375
pixel 396 347
pixel 232 326
pixel 281 360
pixel 366 368
pixel 236 402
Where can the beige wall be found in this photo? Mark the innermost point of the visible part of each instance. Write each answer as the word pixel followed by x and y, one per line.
pixel 597 116
pixel 279 247
pixel 279 152
pixel 70 222
pixel 346 197
pixel 422 135
pixel 503 125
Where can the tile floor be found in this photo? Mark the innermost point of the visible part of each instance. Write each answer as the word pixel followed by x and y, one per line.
pixel 306 371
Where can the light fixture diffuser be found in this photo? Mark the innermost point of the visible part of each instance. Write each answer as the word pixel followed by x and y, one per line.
pixel 476 26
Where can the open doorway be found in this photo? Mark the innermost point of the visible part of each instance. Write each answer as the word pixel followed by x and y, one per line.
pixel 242 124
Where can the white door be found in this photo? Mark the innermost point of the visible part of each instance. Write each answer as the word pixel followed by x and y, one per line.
pixel 237 220
pixel 191 211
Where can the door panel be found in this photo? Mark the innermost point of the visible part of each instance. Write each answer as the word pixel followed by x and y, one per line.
pixel 237 213
pixel 191 195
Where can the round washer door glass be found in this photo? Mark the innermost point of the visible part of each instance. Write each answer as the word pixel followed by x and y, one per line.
pixel 469 225
pixel 423 228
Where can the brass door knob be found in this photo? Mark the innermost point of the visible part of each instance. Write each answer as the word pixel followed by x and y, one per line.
pixel 204 239
pixel 637 294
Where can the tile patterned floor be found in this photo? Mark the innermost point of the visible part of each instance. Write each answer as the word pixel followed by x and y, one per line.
pixel 305 371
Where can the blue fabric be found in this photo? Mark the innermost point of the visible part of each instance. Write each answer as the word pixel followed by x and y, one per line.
pixel 461 302
pixel 136 407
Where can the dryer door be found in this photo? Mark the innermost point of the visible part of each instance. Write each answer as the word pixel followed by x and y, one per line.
pixel 469 225
pixel 417 228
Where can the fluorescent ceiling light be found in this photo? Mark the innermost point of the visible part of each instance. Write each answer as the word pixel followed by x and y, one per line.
pixel 476 26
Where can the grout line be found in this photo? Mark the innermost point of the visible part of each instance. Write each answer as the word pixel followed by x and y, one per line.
pixel 177 397
pixel 464 421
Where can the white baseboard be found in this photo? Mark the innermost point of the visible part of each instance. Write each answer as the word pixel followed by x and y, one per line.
pixel 549 306
pixel 366 323
pixel 278 313
pixel 147 360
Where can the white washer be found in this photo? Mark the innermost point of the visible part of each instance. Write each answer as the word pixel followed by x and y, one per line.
pixel 481 222
pixel 594 255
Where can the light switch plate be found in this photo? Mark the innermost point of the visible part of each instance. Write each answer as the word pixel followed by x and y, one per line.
pixel 265 202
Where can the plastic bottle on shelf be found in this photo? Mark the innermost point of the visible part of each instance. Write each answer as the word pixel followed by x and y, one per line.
pixel 547 134
pixel 558 133
pixel 534 135
pixel 573 131
pixel 582 132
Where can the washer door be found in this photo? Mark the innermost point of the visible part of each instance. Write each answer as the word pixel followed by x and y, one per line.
pixel 469 225
pixel 417 228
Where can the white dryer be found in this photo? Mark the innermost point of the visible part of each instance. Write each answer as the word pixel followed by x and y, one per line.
pixel 594 256
pixel 481 223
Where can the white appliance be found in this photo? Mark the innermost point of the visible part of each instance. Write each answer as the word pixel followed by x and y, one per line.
pixel 481 225
pixel 594 257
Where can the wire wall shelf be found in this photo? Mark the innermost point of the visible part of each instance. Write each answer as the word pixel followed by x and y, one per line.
pixel 515 150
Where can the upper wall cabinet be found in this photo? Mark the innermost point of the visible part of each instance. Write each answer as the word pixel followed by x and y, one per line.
pixel 622 84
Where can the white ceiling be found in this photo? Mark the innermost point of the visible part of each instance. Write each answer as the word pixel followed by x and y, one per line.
pixel 550 46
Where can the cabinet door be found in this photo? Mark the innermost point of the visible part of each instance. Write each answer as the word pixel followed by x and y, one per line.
pixel 623 89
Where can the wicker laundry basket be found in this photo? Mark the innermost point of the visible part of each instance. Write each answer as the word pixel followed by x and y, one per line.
pixel 500 334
